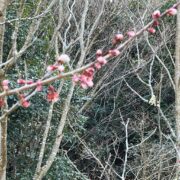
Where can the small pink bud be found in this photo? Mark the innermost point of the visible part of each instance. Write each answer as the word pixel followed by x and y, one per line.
pixel 2 103
pixel 63 58
pixel 99 52
pixel 75 78
pixel 151 30
pixel 23 101
pixel 5 85
pixel 114 52
pixel 51 88
pixel 21 81
pixel 30 82
pixel 39 85
pixel 51 68
pixel 156 23
pixel 131 34
pixel 53 96
pixel 61 68
pixel 119 37
pixel 156 14
pixel 171 12
pixel 101 60
pixel 89 72
pixel 5 82
pixel 97 65
pixel 25 104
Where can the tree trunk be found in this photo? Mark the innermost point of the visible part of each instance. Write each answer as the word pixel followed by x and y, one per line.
pixel 3 150
pixel 3 124
pixel 3 5
pixel 177 93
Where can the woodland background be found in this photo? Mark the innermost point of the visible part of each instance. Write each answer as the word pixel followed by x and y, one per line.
pixel 112 131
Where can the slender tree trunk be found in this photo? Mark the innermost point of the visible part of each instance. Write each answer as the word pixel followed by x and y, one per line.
pixel 3 157
pixel 177 92
pixel 3 124
pixel 3 5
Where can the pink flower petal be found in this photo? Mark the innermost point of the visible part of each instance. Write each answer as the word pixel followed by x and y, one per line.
pixel 75 78
pixel 89 83
pixel 84 86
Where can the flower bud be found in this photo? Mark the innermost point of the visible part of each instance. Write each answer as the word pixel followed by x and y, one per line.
pixel 151 30
pixel 101 60
pixel 114 52
pixel 156 14
pixel 99 52
pixel 21 81
pixel 63 58
pixel 131 34
pixel 119 37
pixel 5 85
pixel 171 12
pixel 51 68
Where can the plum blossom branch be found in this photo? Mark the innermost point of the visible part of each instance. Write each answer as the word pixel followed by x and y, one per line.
pixel 116 52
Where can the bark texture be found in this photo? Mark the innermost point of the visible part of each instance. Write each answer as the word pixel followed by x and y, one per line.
pixel 3 124
pixel 177 92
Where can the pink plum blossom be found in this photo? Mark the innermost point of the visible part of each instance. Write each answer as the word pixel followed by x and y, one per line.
pixel 151 30
pixel 5 84
pixel 29 81
pixel 21 81
pixel 131 34
pixel 101 60
pixel 51 68
pixel 63 58
pixel 97 65
pixel 52 95
pixel 39 85
pixel 114 52
pixel 24 103
pixel 156 14
pixel 99 52
pixel 119 37
pixel 75 78
pixel 172 11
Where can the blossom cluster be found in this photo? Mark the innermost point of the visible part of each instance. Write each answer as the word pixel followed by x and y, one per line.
pixel 84 78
